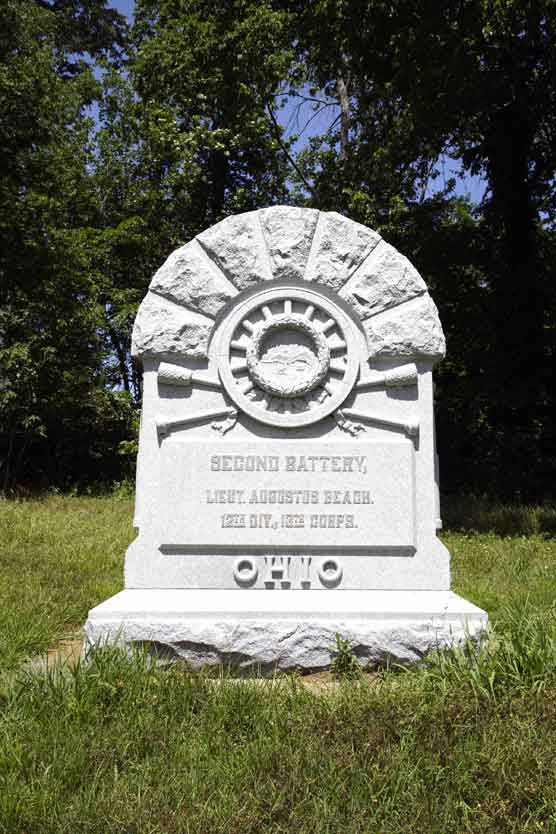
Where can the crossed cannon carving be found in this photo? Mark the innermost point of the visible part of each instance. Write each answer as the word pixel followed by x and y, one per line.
pixel 176 375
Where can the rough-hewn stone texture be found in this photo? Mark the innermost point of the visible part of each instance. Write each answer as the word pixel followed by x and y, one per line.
pixel 288 233
pixel 189 277
pixel 399 626
pixel 339 247
pixel 236 244
pixel 162 327
pixel 413 329
pixel 385 279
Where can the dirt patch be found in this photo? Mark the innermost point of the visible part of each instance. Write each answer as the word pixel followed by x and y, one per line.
pixel 319 682
pixel 67 652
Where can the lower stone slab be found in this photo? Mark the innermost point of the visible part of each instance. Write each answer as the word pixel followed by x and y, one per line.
pixel 281 630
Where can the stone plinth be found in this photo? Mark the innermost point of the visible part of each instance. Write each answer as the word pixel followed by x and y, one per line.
pixel 285 631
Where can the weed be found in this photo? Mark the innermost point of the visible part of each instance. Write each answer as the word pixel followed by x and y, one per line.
pixel 344 665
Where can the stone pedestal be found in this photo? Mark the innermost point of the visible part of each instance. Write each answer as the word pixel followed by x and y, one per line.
pixel 292 631
pixel 287 476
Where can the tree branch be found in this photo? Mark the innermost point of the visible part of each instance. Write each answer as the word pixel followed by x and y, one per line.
pixel 344 125
pixel 289 157
pixel 313 98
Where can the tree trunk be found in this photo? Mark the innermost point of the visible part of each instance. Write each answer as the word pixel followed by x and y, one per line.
pixel 219 169
pixel 122 358
pixel 344 118
pixel 517 362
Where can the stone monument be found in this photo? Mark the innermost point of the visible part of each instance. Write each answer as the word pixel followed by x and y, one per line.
pixel 287 478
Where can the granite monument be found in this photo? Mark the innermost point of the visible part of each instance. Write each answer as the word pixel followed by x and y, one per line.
pixel 287 477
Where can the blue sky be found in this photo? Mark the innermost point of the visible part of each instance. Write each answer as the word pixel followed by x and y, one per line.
pixel 472 187
pixel 123 6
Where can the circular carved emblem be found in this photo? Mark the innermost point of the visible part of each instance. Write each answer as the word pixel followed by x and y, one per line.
pixel 279 364
pixel 285 356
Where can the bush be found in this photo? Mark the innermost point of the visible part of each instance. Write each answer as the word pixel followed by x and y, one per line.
pixel 480 514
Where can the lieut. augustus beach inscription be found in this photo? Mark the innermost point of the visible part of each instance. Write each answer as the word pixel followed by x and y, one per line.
pixel 287 480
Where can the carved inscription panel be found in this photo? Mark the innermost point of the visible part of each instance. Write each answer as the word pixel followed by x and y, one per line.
pixel 292 496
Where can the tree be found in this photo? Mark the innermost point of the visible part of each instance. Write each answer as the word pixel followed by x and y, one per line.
pixel 189 132
pixel 204 73
pixel 53 394
pixel 185 139
pixel 475 81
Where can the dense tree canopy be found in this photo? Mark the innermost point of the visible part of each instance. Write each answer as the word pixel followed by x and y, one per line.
pixel 59 415
pixel 475 81
pixel 184 139
pixel 188 105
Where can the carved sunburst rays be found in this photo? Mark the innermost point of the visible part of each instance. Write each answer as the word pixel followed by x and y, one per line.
pixel 284 243
pixel 288 356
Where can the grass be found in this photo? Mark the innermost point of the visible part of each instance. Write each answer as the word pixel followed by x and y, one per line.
pixel 59 556
pixel 463 743
pixel 494 572
pixel 480 514
pixel 121 746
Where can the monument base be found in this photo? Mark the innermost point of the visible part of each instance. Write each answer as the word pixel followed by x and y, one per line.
pixel 281 630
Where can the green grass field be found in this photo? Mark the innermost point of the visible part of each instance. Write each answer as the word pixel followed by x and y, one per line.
pixel 464 743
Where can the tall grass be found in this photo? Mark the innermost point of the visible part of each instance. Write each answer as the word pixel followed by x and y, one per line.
pixel 59 556
pixel 479 514
pixel 120 745
pixel 463 743
pixel 519 655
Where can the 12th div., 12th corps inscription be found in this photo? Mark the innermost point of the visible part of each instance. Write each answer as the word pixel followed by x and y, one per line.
pixel 289 520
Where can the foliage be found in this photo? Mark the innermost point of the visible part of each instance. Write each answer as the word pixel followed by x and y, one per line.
pixel 88 215
pixel 187 130
pixel 473 82
pixel 58 417
pixel 204 74
pixel 344 664
pixel 185 139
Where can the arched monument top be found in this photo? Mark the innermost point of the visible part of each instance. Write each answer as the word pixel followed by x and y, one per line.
pixel 381 288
